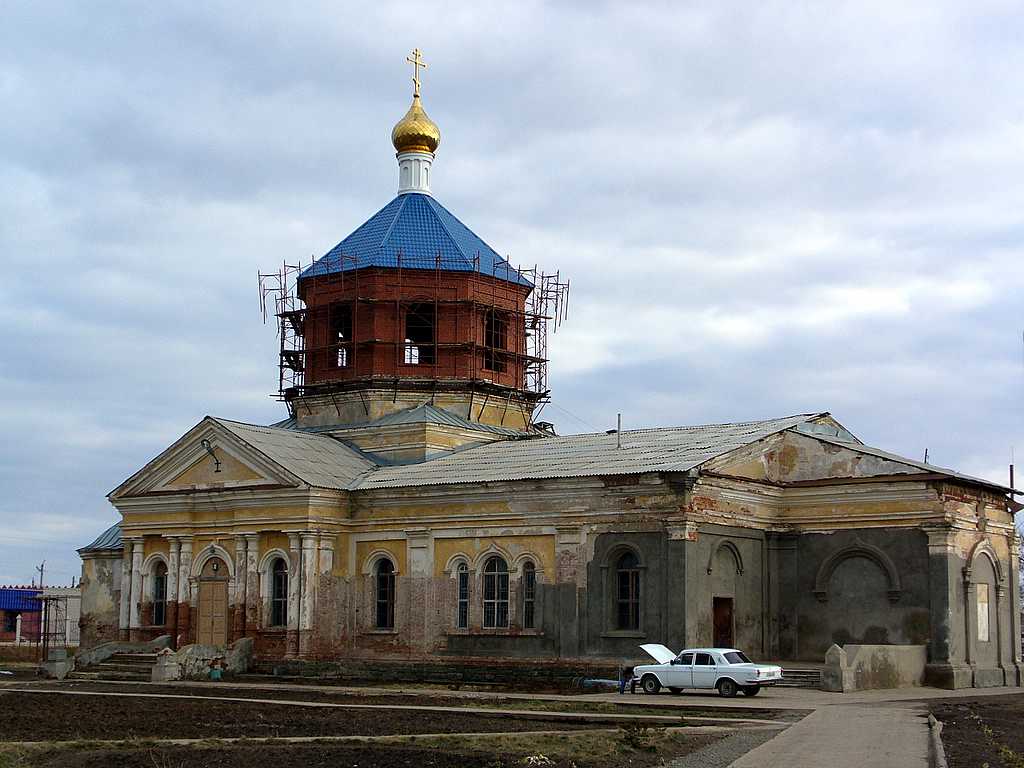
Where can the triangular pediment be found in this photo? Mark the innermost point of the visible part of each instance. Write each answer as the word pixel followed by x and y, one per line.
pixel 206 458
pixel 806 454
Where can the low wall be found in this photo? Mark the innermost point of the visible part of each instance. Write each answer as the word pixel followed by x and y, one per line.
pixel 865 667
pixel 525 675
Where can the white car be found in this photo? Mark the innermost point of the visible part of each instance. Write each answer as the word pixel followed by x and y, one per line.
pixel 726 669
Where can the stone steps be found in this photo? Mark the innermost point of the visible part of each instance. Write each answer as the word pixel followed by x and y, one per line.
pixel 120 666
pixel 800 678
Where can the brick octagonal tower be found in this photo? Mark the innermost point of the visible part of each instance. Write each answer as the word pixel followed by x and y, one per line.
pixel 415 309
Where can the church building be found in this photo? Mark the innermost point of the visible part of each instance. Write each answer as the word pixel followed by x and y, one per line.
pixel 412 505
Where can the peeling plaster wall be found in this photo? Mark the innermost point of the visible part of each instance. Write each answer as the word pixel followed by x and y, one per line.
pixel 101 596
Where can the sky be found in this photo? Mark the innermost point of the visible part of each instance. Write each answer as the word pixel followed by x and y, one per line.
pixel 763 208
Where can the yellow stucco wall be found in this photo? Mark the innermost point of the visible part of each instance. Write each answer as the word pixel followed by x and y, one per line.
pixel 396 547
pixel 542 548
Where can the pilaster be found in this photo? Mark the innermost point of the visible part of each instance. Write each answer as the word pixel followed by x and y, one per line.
pixel 1016 668
pixel 948 665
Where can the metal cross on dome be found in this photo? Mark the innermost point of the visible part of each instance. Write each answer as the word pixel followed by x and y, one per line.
pixel 417 61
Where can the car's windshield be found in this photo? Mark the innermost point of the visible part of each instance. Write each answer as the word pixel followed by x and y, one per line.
pixel 736 657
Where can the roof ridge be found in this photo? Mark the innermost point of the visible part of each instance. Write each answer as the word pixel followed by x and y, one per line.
pixel 701 426
pixel 271 429
pixel 391 226
pixel 431 202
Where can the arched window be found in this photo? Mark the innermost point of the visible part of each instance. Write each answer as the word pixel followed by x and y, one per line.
pixel 462 577
pixel 495 593
pixel 279 593
pixel 160 595
pixel 385 571
pixel 529 595
pixel 627 598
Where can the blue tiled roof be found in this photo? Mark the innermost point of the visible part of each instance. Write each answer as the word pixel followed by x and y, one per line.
pixel 420 229
pixel 19 599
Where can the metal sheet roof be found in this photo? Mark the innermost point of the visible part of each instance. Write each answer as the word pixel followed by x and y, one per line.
pixel 109 539
pixel 19 599
pixel 318 460
pixel 674 449
pixel 431 414
pixel 421 230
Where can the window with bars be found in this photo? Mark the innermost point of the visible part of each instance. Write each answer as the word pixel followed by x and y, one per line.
pixel 160 595
pixel 419 334
pixel 279 593
pixel 529 595
pixel 340 333
pixel 495 593
pixel 627 573
pixel 495 341
pixel 385 572
pixel 462 578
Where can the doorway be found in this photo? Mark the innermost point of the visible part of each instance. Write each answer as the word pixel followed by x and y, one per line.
pixel 212 621
pixel 722 609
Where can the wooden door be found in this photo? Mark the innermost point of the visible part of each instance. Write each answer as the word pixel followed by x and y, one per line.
pixel 212 622
pixel 722 608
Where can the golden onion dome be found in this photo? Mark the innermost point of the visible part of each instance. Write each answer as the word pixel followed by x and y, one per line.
pixel 416 132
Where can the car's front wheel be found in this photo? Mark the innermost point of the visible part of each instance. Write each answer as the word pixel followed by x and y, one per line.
pixel 751 690
pixel 726 688
pixel 650 684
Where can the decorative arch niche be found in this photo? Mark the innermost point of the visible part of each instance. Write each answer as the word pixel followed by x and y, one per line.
pixel 733 550
pixel 984 548
pixel 858 549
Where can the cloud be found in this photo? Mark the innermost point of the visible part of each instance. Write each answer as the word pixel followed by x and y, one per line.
pixel 762 209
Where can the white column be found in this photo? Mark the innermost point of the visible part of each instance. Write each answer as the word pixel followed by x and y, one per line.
pixel 308 586
pixel 126 587
pixel 294 579
pixel 252 582
pixel 240 585
pixel 173 564
pixel 184 572
pixel 136 605
pixel 17 629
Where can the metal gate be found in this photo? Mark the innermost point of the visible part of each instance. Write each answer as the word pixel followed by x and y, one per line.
pixel 57 631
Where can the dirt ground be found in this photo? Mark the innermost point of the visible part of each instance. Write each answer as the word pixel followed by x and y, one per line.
pixel 423 700
pixel 984 731
pixel 79 722
pixel 604 751
pixel 54 717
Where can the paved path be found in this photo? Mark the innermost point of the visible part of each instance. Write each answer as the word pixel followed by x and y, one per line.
pixel 848 736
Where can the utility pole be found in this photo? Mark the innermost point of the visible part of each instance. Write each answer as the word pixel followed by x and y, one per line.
pixel 41 568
